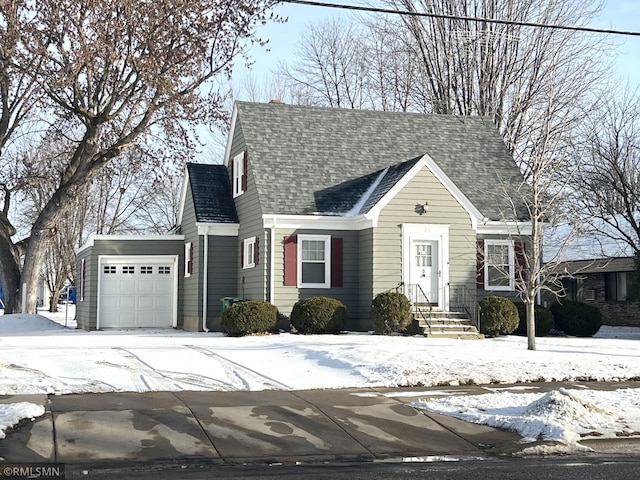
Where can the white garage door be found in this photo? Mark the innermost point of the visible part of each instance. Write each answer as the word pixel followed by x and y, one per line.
pixel 136 292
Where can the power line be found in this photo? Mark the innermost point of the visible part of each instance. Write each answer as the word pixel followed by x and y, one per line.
pixel 359 8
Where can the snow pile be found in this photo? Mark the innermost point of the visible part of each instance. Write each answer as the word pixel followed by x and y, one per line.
pixel 12 413
pixel 564 416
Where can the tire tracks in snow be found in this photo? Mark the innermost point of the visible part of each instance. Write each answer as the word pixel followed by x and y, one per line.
pixel 59 384
pixel 241 376
pixel 144 376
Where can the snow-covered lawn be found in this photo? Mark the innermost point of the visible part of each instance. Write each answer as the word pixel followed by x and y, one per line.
pixel 41 355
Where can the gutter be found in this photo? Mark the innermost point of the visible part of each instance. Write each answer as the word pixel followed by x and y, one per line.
pixel 205 281
pixel 272 263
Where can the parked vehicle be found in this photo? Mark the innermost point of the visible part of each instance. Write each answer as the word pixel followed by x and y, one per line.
pixel 68 294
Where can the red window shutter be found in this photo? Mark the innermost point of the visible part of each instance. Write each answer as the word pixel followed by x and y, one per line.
pixel 480 264
pixel 256 251
pixel 232 168
pixel 336 261
pixel 291 261
pixel 242 253
pixel 244 171
pixel 521 262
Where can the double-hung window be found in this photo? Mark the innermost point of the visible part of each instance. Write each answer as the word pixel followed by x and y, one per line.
pixel 499 265
pixel 314 261
pixel 249 254
pixel 238 175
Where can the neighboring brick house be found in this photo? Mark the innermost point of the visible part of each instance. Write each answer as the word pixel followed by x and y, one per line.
pixel 604 283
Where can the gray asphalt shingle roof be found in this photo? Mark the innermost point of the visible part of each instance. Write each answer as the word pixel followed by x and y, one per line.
pixel 211 193
pixel 314 159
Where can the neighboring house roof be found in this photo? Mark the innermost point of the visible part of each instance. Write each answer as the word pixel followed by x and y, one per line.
pixel 211 193
pixel 598 265
pixel 308 160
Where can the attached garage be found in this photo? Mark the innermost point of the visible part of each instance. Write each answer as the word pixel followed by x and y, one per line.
pixel 129 281
pixel 137 291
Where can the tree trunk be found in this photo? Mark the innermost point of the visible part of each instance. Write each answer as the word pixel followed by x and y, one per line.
pixel 531 323
pixel 32 269
pixel 9 278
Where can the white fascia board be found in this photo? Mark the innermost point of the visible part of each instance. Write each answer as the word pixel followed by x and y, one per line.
pixel 427 161
pixel 140 238
pixel 227 149
pixel 316 222
pixel 183 195
pixel 218 229
pixel 505 228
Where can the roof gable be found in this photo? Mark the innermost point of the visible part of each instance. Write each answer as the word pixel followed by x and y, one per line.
pixel 319 160
pixel 211 193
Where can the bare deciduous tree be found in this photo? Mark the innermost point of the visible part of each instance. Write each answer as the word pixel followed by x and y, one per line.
pixel 607 190
pixel 331 67
pixel 116 71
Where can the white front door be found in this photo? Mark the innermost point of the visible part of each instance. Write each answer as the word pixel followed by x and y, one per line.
pixel 426 262
pixel 424 271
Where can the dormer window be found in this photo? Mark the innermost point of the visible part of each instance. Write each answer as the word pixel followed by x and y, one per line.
pixel 239 174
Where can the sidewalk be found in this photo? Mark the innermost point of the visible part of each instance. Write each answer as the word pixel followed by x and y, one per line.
pixel 265 427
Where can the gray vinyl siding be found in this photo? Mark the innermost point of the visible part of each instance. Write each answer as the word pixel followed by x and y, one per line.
pixel 365 279
pixel 444 209
pixel 251 282
pixel 87 307
pixel 191 292
pixel 222 276
pixel 287 296
pixel 86 311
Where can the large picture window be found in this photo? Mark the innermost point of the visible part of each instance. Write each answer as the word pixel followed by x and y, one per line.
pixel 314 254
pixel 499 265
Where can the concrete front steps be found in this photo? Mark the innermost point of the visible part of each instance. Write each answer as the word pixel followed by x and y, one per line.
pixel 439 324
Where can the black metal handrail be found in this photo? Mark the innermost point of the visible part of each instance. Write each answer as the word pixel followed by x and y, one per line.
pixel 417 298
pixel 461 299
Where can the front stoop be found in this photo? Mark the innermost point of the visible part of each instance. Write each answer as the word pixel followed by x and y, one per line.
pixel 438 324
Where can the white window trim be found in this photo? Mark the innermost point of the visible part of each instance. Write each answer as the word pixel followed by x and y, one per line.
pixel 187 256
pixel 238 173
pixel 327 261
pixel 512 266
pixel 249 253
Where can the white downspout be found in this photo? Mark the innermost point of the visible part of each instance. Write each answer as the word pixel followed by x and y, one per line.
pixel 205 278
pixel 272 263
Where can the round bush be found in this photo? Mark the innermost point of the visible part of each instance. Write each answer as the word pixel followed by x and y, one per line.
pixel 498 316
pixel 319 315
pixel 576 318
pixel 543 320
pixel 391 312
pixel 249 317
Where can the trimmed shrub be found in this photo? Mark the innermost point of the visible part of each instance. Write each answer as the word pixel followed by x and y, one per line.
pixel 390 312
pixel 543 320
pixel 249 317
pixel 319 315
pixel 576 318
pixel 498 316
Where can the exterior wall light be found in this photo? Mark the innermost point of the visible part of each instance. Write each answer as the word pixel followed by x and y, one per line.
pixel 421 208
